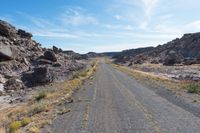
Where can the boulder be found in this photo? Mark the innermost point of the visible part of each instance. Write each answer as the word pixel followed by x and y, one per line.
pixel 43 75
pixel 55 49
pixel 5 52
pixel 24 34
pixel 49 55
pixel 14 84
pixel 39 76
pixel 41 61
pixel 171 58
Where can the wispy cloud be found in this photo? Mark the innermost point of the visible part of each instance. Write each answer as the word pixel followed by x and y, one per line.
pixel 117 27
pixel 76 16
pixel 118 17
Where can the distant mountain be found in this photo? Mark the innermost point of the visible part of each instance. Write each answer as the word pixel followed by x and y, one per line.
pixel 185 50
pixel 74 55
pixel 92 55
pixel 111 54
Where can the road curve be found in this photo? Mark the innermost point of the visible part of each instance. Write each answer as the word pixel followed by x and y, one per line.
pixel 116 103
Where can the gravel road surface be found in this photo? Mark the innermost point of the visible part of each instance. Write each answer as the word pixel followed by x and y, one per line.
pixel 113 102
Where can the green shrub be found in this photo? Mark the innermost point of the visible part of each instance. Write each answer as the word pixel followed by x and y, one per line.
pixel 194 88
pixel 41 95
pixel 14 126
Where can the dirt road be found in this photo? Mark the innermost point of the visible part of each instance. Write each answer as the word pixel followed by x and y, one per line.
pixel 116 103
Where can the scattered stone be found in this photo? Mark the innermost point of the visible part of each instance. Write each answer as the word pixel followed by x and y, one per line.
pixel 49 55
pixel 57 65
pixel 14 84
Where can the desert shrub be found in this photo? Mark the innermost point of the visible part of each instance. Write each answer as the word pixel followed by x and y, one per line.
pixel 37 108
pixel 14 126
pixel 41 95
pixel 194 88
pixel 80 74
pixel 25 122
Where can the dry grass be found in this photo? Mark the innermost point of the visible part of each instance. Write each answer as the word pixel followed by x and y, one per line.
pixel 160 81
pixel 42 107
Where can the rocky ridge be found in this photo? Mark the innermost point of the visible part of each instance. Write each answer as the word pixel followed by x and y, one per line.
pixel 24 63
pixel 185 50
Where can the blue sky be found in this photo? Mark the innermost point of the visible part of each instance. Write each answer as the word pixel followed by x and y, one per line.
pixel 103 25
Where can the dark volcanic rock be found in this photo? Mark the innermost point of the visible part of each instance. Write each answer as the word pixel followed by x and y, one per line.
pixel 23 58
pixel 39 76
pixel 24 34
pixel 49 55
pixel 55 50
pixel 57 65
pixel 171 58
pixel 130 55
pixel 7 30
pixel 186 50
pixel 73 55
pixel 41 61
pixel 43 75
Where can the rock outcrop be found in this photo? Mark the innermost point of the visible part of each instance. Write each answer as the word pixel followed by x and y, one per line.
pixel 24 63
pixel 185 50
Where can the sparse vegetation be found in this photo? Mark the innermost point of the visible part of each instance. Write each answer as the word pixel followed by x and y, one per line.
pixel 63 111
pixel 41 95
pixel 80 74
pixel 194 88
pixel 37 108
pixel 41 108
pixel 14 126
pixel 25 121
pixel 151 79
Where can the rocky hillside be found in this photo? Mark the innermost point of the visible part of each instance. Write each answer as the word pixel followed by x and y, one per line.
pixel 185 50
pixel 92 55
pixel 24 63
pixel 74 55
pixel 128 55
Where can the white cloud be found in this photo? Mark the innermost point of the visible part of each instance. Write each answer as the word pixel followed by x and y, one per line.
pixel 76 16
pixel 193 26
pixel 149 6
pixel 118 27
pixel 118 17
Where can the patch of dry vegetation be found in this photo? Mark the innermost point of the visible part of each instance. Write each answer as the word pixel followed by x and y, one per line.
pixel 150 78
pixel 42 107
